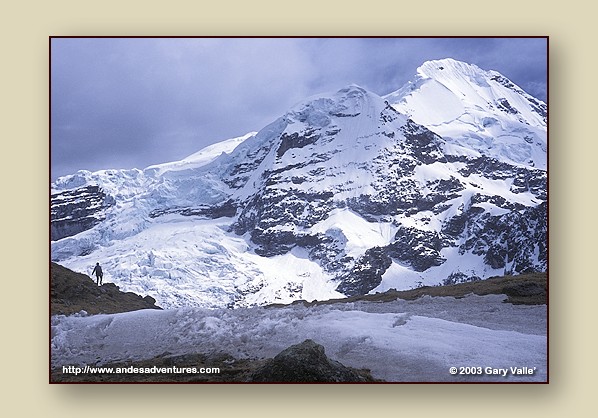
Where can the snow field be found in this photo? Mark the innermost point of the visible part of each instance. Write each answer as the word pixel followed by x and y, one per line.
pixel 202 157
pixel 398 341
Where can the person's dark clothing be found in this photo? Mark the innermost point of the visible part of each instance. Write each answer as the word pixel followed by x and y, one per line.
pixel 97 270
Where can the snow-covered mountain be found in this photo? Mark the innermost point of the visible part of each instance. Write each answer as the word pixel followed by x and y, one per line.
pixel 476 110
pixel 346 193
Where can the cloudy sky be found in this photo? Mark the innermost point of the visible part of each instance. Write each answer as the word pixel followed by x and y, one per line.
pixel 134 102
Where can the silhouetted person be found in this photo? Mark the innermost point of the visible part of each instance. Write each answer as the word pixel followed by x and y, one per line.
pixel 97 270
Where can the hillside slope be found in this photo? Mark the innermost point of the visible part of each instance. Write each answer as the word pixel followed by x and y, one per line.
pixel 72 292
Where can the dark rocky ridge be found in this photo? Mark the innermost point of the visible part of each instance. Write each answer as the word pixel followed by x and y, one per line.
pixel 75 211
pixel 71 293
pixel 523 289
pixel 227 209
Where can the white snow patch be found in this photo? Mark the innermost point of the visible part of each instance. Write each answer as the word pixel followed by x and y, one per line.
pixel 359 233
pixel 288 277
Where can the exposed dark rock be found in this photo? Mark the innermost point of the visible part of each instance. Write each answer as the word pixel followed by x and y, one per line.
pixel 307 363
pixel 422 142
pixel 504 105
pixel 227 209
pixel 505 82
pixel 499 201
pixel 456 225
pixel 511 240
pixel 72 292
pixel 540 108
pixel 439 191
pixel 296 141
pixel 488 167
pixel 271 217
pixel 237 175
pixel 418 248
pixel 459 277
pixel 328 250
pixel 524 179
pixel 537 106
pixel 496 256
pixel 533 181
pixel 273 242
pixel 75 211
pixel 399 195
pixel 366 273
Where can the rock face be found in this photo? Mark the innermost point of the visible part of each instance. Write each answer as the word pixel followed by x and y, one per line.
pixel 77 210
pixel 344 194
pixel 307 363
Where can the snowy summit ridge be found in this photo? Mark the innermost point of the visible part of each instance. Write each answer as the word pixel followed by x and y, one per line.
pixel 346 193
pixel 478 110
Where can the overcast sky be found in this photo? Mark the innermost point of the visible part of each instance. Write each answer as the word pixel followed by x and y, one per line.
pixel 134 102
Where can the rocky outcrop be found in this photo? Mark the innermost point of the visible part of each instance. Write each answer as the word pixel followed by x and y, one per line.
pixel 225 209
pixel 366 273
pixel 77 210
pixel 307 363
pixel 72 293
pixel 514 241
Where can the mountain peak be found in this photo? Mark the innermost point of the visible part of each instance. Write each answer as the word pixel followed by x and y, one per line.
pixel 476 109
pixel 322 109
pixel 448 67
pixel 350 91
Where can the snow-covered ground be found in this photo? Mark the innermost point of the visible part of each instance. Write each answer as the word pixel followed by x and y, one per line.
pixel 400 341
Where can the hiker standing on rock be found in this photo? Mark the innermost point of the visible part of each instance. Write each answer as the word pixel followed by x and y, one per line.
pixel 97 270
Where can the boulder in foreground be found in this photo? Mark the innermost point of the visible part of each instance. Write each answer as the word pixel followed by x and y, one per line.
pixel 307 363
